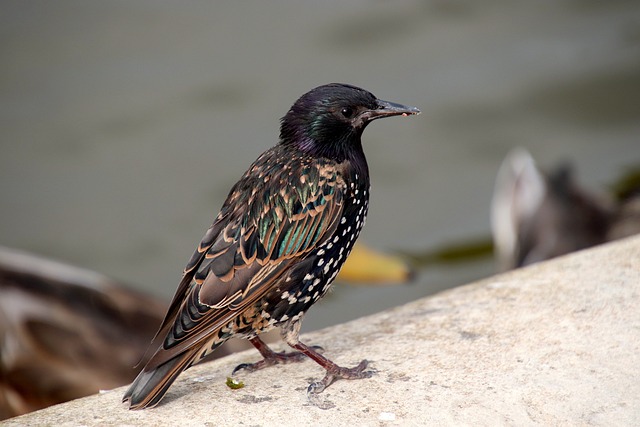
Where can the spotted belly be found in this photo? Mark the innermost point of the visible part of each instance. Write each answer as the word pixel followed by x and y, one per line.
pixel 296 295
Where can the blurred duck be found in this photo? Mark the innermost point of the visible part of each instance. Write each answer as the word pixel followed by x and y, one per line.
pixel 66 332
pixel 536 216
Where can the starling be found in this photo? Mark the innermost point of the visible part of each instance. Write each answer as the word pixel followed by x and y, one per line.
pixel 278 242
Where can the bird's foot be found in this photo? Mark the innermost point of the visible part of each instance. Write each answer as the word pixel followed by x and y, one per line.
pixel 274 359
pixel 270 357
pixel 338 372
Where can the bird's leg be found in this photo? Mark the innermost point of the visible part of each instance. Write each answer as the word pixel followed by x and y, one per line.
pixel 334 372
pixel 270 357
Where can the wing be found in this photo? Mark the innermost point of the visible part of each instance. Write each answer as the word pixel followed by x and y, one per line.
pixel 272 219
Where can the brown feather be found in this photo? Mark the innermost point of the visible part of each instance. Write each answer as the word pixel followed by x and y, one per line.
pixel 227 289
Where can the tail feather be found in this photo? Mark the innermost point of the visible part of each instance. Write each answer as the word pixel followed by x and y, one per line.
pixel 150 386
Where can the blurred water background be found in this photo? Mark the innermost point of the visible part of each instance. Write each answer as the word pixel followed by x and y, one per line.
pixel 124 124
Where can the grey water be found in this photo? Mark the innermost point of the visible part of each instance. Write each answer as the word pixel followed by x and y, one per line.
pixel 124 124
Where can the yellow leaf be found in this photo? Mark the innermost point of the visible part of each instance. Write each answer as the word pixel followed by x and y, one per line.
pixel 366 266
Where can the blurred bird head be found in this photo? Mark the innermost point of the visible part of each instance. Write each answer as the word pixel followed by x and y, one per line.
pixel 537 215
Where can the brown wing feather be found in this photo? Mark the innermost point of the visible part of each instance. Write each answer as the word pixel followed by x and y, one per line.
pixel 249 249
pixel 186 283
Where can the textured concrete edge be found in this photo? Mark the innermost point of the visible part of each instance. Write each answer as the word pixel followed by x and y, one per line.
pixel 558 342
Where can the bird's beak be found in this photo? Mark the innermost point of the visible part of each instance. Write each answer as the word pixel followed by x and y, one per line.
pixel 386 109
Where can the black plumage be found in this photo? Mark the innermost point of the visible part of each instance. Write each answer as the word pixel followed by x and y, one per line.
pixel 278 242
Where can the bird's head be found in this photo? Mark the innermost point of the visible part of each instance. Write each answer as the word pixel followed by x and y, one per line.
pixel 329 120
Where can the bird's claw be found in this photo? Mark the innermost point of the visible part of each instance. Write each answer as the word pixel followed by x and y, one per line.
pixel 247 366
pixel 274 359
pixel 355 373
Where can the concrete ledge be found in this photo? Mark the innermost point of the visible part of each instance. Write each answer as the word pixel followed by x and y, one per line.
pixel 554 344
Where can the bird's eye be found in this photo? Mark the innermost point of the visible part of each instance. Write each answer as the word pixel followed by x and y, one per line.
pixel 347 112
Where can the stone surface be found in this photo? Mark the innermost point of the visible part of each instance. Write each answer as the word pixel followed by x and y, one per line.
pixel 553 344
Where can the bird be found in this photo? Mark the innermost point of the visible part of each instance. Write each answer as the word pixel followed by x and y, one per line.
pixel 281 237
pixel 66 332
pixel 538 215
